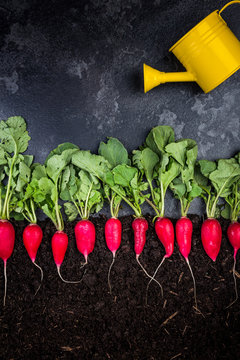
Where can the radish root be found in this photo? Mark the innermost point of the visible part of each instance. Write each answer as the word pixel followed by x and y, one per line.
pixel 109 271
pixel 153 278
pixel 194 285
pixel 67 281
pixel 235 283
pixel 39 267
pixel 5 285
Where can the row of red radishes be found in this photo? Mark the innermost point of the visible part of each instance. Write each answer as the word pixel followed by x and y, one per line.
pixel 85 239
pixel 83 181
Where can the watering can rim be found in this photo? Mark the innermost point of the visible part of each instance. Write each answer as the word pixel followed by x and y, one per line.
pixel 194 28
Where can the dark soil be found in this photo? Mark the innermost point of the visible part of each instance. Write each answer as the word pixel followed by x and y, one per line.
pixel 68 321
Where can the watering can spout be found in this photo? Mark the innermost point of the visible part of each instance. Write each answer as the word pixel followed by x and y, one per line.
pixel 153 77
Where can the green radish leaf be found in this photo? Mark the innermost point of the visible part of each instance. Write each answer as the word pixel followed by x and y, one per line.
pixel 24 176
pixel 60 149
pixel 159 137
pixel 71 211
pixel 123 174
pixel 114 152
pixel 56 164
pixel 28 160
pixel 180 149
pixel 169 175
pixel 226 212
pixel 39 171
pixel 207 167
pixel 146 160
pixel 195 191
pixel 228 170
pixel 13 135
pixel 94 164
pixel 178 188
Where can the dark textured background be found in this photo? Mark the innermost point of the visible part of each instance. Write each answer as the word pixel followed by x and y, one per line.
pixel 73 70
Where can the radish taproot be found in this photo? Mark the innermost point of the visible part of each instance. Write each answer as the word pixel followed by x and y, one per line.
pixel 140 227
pixel 32 238
pixel 59 248
pixel 113 235
pixel 85 235
pixel 7 239
pixel 165 232
pixel 233 233
pixel 32 234
pixel 184 229
pixel 211 235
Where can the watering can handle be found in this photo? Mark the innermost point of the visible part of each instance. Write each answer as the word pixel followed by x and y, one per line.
pixel 228 4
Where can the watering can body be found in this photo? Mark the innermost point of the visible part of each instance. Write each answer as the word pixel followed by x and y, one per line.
pixel 210 52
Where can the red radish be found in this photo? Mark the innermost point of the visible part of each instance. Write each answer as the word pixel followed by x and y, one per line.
pixel 59 248
pixel 184 230
pixel 211 234
pixel 140 226
pixel 7 238
pixel 85 237
pixel 32 238
pixel 113 235
pixel 233 233
pixel 165 232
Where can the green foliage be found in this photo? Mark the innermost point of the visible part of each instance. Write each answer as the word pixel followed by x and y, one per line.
pixel 216 180
pixel 185 187
pixel 47 180
pixel 14 167
pixel 82 180
pixel 158 138
pixel 114 152
pixel 157 165
pixel 232 206
pixel 94 164
pixel 82 191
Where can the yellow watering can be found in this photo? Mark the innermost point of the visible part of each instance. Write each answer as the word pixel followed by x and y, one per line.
pixel 210 52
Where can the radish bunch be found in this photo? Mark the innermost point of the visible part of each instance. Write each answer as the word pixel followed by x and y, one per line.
pixel 170 164
pixel 185 189
pixel 45 188
pixel 83 181
pixel 158 167
pixel 13 169
pixel 116 154
pixel 232 212
pixel 216 179
pixel 82 191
